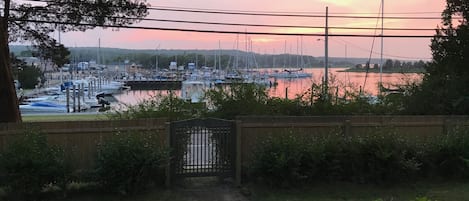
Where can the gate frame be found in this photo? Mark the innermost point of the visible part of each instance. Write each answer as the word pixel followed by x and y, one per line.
pixel 236 152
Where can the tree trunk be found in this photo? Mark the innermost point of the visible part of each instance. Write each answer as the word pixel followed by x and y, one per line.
pixel 9 110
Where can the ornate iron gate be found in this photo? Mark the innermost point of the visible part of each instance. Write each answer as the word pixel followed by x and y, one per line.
pixel 203 147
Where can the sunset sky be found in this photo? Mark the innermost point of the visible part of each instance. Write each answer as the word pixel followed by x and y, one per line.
pixel 399 48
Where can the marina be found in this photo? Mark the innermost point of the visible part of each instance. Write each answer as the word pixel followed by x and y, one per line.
pixel 91 93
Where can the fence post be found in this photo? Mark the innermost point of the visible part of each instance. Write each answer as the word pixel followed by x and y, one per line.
pixel 74 92
pixel 238 153
pixel 347 128
pixel 67 91
pixel 168 162
pixel 446 126
pixel 79 97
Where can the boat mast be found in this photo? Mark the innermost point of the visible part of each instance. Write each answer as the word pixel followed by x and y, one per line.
pixel 156 59
pixel 99 47
pixel 301 58
pixel 382 47
pixel 285 57
pixel 237 52
pixel 219 54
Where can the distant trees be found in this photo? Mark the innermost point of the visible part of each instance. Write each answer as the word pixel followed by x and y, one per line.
pixel 444 87
pixel 388 64
pixel 229 58
pixel 57 54
pixel 395 65
pixel 27 75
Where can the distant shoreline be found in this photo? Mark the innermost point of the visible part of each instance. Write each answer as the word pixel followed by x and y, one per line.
pixel 361 70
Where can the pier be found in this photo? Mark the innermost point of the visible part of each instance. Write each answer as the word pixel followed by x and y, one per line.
pixel 154 84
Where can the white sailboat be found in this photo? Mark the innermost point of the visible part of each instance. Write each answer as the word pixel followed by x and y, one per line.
pixel 290 73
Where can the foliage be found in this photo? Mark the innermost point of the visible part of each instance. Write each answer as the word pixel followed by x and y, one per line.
pixel 168 106
pixel 58 54
pixel 421 199
pixel 249 99
pixel 448 155
pixel 128 162
pixel 30 164
pixel 238 99
pixel 374 157
pixel 279 160
pixel 443 89
pixel 148 59
pixel 27 75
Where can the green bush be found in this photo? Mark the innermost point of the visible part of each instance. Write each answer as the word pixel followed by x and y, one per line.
pixel 238 99
pixel 371 158
pixel 129 162
pixel 448 155
pixel 279 160
pixel 167 106
pixel 385 157
pixel 30 163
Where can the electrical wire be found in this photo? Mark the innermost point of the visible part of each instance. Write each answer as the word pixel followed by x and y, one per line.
pixel 296 12
pixel 221 31
pixel 263 25
pixel 270 13
pixel 290 15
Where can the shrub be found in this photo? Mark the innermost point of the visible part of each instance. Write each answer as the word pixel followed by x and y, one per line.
pixel 448 155
pixel 30 163
pixel 239 99
pixel 371 158
pixel 278 161
pixel 129 162
pixel 385 157
pixel 168 106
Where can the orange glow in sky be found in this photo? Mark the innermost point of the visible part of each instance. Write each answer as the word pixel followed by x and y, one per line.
pixel 399 48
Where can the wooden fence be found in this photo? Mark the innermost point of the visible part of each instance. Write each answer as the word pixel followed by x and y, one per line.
pixel 80 139
pixel 254 130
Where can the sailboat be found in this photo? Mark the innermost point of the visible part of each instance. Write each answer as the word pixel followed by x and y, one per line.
pixel 291 73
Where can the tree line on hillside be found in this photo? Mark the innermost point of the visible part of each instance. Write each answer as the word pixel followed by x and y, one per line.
pixel 227 59
pixel 211 58
pixel 390 64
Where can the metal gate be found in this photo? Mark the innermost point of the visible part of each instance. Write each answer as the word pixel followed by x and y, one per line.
pixel 203 147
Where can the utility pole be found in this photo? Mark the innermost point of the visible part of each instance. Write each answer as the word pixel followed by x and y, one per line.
pixel 326 53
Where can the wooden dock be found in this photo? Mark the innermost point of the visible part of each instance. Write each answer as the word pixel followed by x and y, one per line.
pixel 154 84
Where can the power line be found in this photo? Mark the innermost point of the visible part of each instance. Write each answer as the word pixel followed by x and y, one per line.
pixel 290 15
pixel 221 31
pixel 265 25
pixel 299 12
pixel 282 26
pixel 277 12
pixel 270 14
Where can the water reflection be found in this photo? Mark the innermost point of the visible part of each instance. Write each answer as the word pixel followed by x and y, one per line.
pixel 291 87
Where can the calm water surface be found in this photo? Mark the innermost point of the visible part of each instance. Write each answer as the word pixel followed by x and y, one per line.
pixel 349 80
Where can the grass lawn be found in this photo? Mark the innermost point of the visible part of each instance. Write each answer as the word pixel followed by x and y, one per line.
pixel 64 117
pixel 320 192
pixel 353 192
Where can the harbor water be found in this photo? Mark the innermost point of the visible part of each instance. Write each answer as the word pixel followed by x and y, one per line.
pixel 353 81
